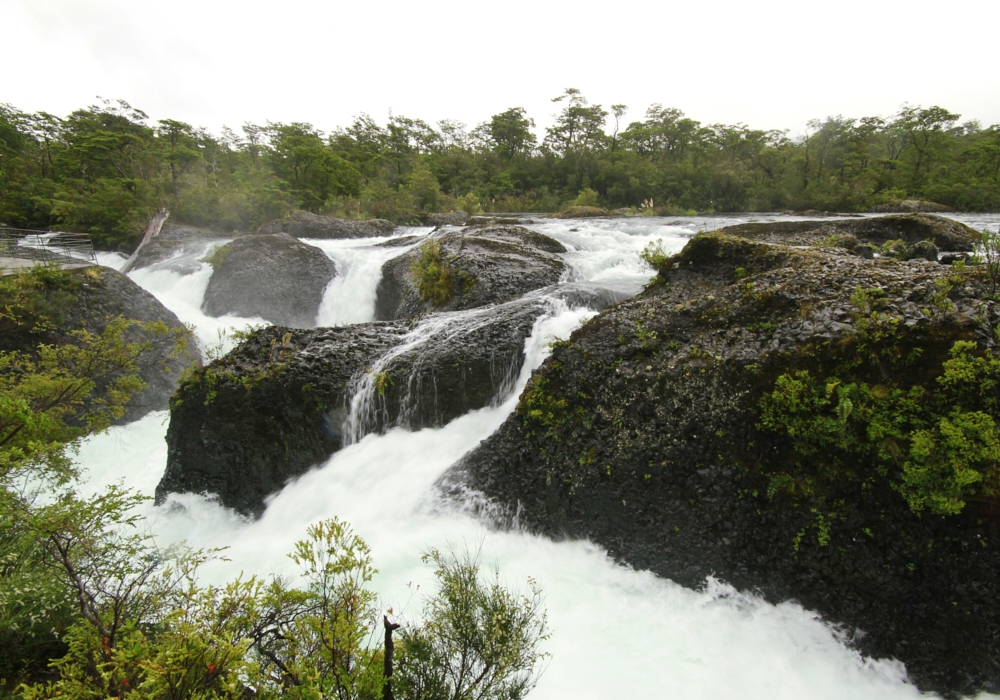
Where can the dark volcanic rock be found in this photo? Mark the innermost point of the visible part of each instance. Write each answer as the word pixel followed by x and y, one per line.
pixel 280 402
pixel 910 206
pixel 97 295
pixel 273 276
pixel 946 234
pixel 176 240
pixel 641 433
pixel 491 264
pixel 303 224
pixel 452 218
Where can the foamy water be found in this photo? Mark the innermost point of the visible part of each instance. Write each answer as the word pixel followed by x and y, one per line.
pixel 616 632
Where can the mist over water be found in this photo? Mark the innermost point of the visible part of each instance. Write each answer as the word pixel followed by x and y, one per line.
pixel 616 632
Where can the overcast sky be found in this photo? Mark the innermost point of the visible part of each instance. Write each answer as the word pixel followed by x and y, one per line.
pixel 768 64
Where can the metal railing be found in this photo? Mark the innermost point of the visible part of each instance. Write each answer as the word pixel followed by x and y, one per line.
pixel 45 247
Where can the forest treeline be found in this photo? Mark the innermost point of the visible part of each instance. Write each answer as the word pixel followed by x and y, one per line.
pixel 105 168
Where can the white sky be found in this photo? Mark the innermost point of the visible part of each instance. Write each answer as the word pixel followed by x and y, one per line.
pixel 769 63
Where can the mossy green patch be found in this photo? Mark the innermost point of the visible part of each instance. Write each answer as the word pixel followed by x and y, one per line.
pixel 432 273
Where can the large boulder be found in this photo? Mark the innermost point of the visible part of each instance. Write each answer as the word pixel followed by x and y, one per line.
pixel 281 402
pixel 946 234
pixel 910 206
pixel 86 299
pixel 176 240
pixel 452 218
pixel 303 224
pixel 485 264
pixel 272 276
pixel 646 433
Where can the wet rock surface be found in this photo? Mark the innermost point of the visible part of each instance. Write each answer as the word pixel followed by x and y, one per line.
pixel 271 276
pixel 303 224
pixel 490 264
pixel 280 403
pixel 946 234
pixel 452 218
pixel 640 433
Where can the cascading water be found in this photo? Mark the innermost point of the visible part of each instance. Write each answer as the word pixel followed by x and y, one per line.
pixel 350 296
pixel 179 284
pixel 368 412
pixel 616 632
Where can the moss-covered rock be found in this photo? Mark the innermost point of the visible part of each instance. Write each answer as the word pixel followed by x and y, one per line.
pixel 946 234
pixel 645 433
pixel 477 266
pixel 86 299
pixel 277 405
pixel 580 212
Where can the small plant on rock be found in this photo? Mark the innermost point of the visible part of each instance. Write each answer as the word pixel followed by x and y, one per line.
pixel 433 275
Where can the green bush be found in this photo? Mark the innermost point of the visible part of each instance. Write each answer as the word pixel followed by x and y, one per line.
pixel 432 274
pixel 654 255
pixel 479 640
pixel 586 198
pixel 937 446
pixel 217 256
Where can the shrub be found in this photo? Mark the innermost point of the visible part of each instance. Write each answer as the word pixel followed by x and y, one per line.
pixel 936 446
pixel 654 255
pixel 585 198
pixel 479 640
pixel 217 256
pixel 433 275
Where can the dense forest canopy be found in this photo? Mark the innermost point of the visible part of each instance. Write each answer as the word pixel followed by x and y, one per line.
pixel 105 168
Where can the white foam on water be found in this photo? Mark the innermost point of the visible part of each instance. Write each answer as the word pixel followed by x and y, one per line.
pixel 607 250
pixel 350 296
pixel 183 293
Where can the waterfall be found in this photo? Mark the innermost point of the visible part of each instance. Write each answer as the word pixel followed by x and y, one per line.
pixel 617 632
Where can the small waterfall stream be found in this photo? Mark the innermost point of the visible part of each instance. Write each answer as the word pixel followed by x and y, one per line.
pixel 616 632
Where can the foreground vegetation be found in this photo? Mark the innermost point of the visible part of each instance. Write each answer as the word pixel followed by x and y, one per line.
pixel 91 607
pixel 104 169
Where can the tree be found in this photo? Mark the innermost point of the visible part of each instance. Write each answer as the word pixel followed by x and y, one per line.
pixel 180 150
pixel 299 157
pixel 579 126
pixel 510 133
pixel 926 134
pixel 618 111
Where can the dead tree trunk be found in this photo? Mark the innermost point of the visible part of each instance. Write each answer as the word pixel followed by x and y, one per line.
pixel 152 231
pixel 387 672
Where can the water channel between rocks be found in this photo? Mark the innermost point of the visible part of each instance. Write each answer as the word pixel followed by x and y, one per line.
pixel 616 632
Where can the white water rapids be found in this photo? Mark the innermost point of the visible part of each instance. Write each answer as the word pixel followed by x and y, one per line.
pixel 616 632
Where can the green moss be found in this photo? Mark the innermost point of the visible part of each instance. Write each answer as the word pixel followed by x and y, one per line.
pixel 432 274
pixel 540 407
pixel 217 256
